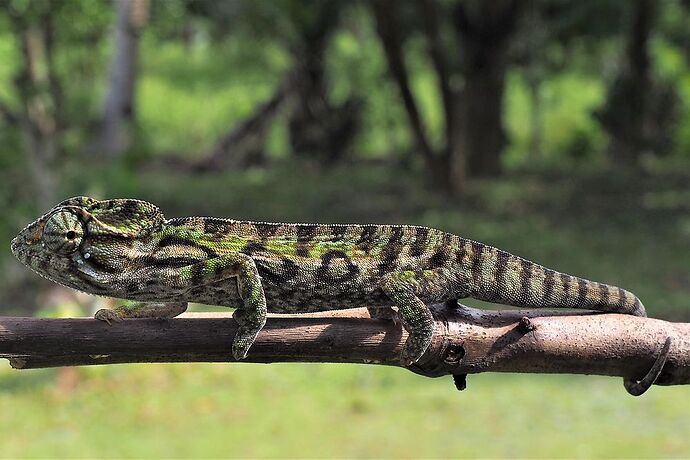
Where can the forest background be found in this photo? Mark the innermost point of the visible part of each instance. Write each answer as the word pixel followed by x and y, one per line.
pixel 557 130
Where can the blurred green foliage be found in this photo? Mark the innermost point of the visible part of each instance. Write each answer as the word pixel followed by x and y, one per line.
pixel 565 199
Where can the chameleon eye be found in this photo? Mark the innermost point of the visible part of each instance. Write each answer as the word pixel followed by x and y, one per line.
pixel 63 232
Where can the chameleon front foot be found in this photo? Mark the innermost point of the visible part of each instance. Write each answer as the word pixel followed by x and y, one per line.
pixel 108 316
pixel 636 388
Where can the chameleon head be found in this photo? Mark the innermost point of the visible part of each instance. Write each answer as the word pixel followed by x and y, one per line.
pixel 87 244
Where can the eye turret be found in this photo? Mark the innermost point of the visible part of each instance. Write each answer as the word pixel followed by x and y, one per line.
pixel 63 232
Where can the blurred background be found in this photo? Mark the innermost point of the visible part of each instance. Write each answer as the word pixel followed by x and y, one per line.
pixel 557 130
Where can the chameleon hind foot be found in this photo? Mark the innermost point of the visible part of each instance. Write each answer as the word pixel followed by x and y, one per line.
pixel 414 314
pixel 636 388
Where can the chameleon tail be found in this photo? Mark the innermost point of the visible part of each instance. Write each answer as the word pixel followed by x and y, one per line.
pixel 498 276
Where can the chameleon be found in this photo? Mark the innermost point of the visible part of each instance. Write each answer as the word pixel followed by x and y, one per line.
pixel 127 249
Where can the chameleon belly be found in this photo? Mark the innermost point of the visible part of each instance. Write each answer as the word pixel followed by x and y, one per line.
pixel 291 294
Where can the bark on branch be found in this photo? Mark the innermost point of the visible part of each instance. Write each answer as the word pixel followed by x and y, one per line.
pixel 466 341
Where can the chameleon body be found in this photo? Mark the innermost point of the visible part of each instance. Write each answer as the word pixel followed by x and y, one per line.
pixel 126 249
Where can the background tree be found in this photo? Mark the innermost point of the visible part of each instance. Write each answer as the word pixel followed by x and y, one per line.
pixel 47 104
pixel 640 108
pixel 119 107
pixel 486 30
pixel 471 80
pixel 318 129
pixel 39 92
pixel 447 167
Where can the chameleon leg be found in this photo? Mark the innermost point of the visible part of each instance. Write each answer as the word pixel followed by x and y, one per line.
pixel 251 316
pixel 141 310
pixel 414 314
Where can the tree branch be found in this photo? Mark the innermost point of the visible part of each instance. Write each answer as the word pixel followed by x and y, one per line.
pixel 466 341
pixel 237 143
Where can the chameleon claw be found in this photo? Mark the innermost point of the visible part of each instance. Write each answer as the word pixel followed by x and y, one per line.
pixel 107 315
pixel 238 355
pixel 636 388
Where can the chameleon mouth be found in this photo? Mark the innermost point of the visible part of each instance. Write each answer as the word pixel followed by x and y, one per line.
pixel 19 248
pixel 23 249
pixel 25 241
pixel 14 245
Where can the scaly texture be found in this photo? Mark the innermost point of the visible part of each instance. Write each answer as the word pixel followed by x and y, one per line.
pixel 127 249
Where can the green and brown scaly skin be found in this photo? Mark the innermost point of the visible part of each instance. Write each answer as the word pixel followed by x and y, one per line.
pixel 127 249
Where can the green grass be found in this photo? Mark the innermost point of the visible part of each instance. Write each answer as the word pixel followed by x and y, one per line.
pixel 249 410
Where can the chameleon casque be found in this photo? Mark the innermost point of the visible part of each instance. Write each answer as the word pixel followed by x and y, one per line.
pixel 125 248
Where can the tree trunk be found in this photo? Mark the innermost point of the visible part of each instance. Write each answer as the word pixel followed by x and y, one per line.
pixel 319 130
pixel 483 135
pixel 40 95
pixel 119 105
pixel 628 103
pixel 388 29
pixel 485 29
pixel 453 158
pixel 244 143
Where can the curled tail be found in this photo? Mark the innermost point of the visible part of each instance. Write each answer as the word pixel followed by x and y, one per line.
pixel 498 276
